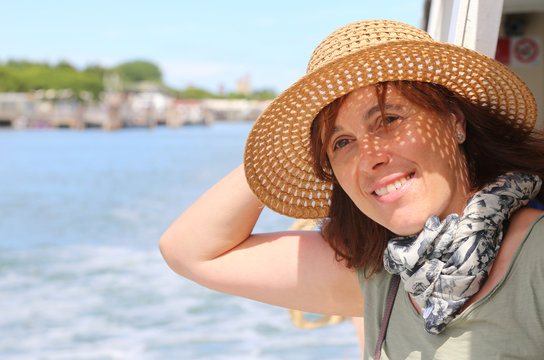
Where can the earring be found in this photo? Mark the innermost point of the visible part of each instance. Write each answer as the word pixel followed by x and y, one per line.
pixel 460 137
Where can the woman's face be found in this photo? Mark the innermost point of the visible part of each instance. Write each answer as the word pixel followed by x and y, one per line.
pixel 401 175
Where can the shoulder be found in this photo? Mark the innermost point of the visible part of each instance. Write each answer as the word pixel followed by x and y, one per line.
pixel 376 283
pixel 527 264
pixel 525 225
pixel 525 229
pixel 524 221
pixel 521 226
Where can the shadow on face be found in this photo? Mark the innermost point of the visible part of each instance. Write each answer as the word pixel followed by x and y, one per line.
pixel 379 142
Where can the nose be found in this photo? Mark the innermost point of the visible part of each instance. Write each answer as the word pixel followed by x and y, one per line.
pixel 373 153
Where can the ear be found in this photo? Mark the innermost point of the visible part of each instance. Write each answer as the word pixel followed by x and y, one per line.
pixel 459 123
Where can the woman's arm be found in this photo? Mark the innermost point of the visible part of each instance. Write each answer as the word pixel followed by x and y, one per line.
pixel 211 243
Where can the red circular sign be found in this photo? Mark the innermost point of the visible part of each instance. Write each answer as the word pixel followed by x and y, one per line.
pixel 526 50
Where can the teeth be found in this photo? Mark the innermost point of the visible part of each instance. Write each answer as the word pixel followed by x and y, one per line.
pixel 393 186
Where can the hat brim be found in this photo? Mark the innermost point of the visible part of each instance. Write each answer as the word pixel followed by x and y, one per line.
pixel 277 157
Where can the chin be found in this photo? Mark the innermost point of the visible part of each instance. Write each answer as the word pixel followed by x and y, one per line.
pixel 406 228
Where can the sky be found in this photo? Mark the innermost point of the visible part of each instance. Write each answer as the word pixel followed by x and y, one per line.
pixel 202 43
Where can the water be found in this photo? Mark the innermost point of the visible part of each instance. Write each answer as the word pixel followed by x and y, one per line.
pixel 81 276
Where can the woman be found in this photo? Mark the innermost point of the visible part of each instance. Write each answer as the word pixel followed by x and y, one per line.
pixel 421 158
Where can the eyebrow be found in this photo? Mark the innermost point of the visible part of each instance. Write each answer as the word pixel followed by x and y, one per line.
pixel 371 112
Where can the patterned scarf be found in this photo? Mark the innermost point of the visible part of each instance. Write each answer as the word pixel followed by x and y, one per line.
pixel 447 263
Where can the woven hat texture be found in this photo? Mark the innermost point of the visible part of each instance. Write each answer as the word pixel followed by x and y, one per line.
pixel 277 157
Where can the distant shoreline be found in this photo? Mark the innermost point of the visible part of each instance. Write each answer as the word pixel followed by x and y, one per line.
pixel 120 110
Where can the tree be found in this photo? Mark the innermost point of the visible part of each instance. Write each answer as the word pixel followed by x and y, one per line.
pixel 192 93
pixel 264 94
pixel 95 69
pixel 136 71
pixel 65 66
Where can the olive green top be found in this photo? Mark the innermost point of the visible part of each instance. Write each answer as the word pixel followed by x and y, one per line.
pixel 507 323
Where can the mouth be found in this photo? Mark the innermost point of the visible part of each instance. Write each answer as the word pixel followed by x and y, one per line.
pixel 393 186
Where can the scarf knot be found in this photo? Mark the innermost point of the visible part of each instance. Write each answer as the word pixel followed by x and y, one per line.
pixel 448 261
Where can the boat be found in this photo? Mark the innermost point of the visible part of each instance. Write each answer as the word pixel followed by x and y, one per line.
pixel 511 31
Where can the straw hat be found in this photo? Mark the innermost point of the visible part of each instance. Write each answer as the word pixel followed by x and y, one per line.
pixel 277 157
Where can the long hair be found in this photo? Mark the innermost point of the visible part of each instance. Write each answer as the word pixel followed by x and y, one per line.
pixel 492 147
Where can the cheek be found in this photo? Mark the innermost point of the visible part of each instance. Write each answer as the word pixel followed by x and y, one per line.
pixel 445 149
pixel 341 170
pixel 345 174
pixel 428 137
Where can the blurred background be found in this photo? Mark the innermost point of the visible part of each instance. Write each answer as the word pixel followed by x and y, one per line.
pixel 114 117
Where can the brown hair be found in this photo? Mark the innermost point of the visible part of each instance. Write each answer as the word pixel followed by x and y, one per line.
pixel 492 147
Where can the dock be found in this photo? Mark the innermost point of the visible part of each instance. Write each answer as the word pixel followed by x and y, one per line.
pixel 58 109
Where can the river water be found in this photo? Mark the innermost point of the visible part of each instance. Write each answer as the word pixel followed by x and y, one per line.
pixel 81 276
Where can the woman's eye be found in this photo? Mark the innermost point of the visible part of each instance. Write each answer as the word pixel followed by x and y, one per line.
pixel 387 122
pixel 390 118
pixel 340 143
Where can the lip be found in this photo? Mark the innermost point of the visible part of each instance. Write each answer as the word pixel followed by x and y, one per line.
pixel 390 179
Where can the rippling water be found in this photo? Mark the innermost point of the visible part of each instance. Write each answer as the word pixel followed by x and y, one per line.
pixel 81 276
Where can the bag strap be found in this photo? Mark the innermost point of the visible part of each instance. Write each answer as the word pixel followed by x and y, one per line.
pixel 393 287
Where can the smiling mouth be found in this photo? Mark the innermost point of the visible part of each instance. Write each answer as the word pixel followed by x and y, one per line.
pixel 393 186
